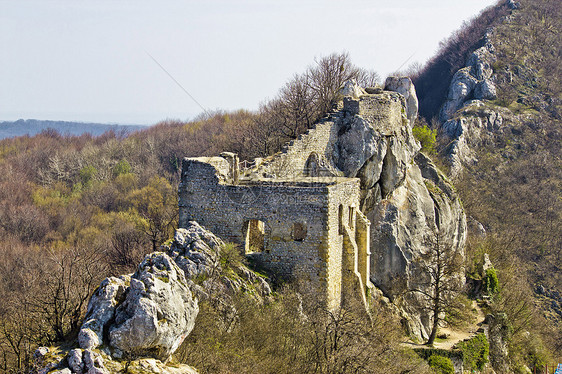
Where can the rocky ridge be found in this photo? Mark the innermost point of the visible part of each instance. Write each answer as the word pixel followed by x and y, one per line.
pixel 468 117
pixel 137 321
pixel 403 194
pixel 142 318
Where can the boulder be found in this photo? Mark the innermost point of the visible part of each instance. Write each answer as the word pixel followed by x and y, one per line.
pixel 147 314
pixel 405 87
pixel 157 313
pixel 360 143
pixel 101 310
pixel 75 362
pixel 93 362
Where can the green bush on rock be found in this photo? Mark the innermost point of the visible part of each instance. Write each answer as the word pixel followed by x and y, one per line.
pixel 441 364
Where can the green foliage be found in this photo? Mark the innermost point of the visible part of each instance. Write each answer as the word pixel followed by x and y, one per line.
pixel 230 256
pixel 87 174
pixel 475 352
pixel 491 282
pixel 122 167
pixel 426 137
pixel 441 365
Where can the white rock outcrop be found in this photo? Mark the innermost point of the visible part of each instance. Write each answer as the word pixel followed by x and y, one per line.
pixel 403 195
pixel 468 130
pixel 351 89
pixel 467 118
pixel 197 251
pixel 473 82
pixel 101 310
pixel 147 314
pixel 158 311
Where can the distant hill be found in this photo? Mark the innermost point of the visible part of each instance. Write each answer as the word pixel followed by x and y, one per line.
pixel 32 127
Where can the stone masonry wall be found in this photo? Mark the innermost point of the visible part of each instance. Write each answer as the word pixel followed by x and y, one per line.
pixel 343 204
pixel 310 206
pixel 291 161
pixel 385 110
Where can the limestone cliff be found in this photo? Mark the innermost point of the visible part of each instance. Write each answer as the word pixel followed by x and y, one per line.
pixel 468 118
pixel 405 197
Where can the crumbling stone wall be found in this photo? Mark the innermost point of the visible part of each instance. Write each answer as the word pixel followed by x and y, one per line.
pixel 289 226
pixel 291 162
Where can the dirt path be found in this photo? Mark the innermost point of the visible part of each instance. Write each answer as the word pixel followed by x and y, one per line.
pixel 453 335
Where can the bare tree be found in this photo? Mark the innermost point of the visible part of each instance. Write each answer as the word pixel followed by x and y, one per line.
pixel 442 267
pixel 303 101
pixel 69 278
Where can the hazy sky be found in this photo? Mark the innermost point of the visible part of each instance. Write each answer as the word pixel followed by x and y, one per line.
pixel 87 60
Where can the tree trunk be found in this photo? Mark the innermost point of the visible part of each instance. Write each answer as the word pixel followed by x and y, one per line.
pixel 433 333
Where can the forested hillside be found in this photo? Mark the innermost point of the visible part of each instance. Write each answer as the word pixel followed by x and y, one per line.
pixel 513 187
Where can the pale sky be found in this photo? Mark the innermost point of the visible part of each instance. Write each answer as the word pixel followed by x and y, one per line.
pixel 86 60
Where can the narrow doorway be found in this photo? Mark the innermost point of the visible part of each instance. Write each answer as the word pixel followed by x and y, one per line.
pixel 255 236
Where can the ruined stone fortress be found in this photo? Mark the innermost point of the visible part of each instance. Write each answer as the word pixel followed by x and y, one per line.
pixel 305 227
pixel 339 207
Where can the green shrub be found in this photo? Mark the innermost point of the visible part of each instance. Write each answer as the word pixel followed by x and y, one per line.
pixel 426 137
pixel 475 352
pixel 230 256
pixel 491 283
pixel 122 167
pixel 440 364
pixel 87 174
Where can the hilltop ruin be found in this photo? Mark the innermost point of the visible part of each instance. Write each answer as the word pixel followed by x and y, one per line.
pixel 344 206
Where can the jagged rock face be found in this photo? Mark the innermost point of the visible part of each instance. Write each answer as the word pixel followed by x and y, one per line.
pixel 468 130
pixel 196 251
pixel 359 143
pixel 101 310
pixel 371 139
pixel 471 82
pixel 467 117
pixel 147 314
pixel 158 312
pixel 401 224
pixel 406 199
